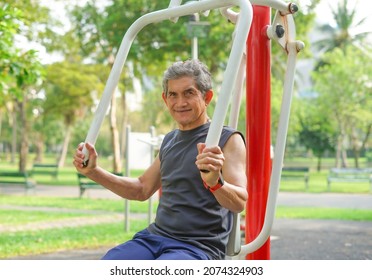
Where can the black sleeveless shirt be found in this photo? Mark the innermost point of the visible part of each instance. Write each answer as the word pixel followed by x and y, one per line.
pixel 187 211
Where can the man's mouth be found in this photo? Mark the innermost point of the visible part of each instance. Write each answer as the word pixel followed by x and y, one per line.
pixel 182 111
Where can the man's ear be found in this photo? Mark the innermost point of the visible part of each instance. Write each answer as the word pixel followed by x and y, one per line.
pixel 208 96
pixel 164 98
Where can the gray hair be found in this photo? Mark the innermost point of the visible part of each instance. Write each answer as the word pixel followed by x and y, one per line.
pixel 190 68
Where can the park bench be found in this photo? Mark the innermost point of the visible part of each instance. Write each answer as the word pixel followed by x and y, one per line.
pixel 17 178
pixel 85 183
pixel 45 169
pixel 295 173
pixel 349 175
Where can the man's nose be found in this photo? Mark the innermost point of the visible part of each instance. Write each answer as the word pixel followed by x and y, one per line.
pixel 181 101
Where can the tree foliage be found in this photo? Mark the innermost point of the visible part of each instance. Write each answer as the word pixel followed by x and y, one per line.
pixel 344 87
pixel 20 73
pixel 317 132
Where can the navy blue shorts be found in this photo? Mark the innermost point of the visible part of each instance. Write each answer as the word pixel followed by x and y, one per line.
pixel 147 246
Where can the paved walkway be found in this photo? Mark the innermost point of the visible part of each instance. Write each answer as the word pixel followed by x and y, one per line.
pixel 291 239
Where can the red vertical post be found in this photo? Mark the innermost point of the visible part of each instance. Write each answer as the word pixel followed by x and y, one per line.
pixel 258 127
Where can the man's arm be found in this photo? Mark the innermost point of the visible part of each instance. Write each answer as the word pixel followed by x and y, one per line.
pixel 231 162
pixel 140 188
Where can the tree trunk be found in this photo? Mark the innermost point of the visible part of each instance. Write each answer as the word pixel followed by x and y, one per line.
pixel 117 167
pixel 14 135
pixel 338 152
pixel 39 148
pixel 66 141
pixel 319 165
pixel 24 136
pixel 2 148
pixel 344 158
pixel 1 120
pixel 356 158
pixel 356 146
pixel 341 156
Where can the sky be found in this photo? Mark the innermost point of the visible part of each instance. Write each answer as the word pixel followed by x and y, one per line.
pixel 364 9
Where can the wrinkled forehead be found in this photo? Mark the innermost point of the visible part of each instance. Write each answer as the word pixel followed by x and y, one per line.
pixel 182 84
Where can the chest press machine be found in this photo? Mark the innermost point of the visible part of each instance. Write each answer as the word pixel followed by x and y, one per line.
pixel 281 30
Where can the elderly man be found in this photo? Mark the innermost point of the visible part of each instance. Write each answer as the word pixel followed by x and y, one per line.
pixel 201 186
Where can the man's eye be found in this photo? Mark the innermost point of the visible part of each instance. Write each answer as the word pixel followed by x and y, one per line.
pixel 190 92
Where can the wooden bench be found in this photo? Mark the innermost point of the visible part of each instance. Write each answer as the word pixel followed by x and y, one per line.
pixel 45 169
pixel 295 173
pixel 349 175
pixel 86 183
pixel 17 178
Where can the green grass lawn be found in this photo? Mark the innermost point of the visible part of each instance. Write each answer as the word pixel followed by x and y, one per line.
pixel 51 240
pixel 323 213
pixel 318 184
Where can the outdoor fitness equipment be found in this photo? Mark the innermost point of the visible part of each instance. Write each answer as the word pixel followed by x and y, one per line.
pixel 282 30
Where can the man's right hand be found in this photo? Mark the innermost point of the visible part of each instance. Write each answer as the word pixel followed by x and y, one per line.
pixel 79 163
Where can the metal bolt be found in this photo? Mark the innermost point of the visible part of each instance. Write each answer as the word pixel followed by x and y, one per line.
pixel 279 31
pixel 293 8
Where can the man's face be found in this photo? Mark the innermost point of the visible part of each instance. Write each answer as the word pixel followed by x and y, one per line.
pixel 186 103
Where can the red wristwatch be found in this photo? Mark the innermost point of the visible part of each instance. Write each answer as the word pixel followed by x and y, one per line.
pixel 219 185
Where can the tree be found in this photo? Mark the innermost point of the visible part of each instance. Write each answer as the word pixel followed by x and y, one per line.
pixel 344 87
pixel 21 70
pixel 8 28
pixel 317 132
pixel 69 90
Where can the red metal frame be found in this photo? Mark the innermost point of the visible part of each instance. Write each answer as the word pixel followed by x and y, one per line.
pixel 258 127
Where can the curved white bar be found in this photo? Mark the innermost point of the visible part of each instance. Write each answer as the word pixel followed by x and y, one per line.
pixel 283 7
pixel 278 154
pixel 239 44
pixel 230 14
pixel 174 12
pixel 237 95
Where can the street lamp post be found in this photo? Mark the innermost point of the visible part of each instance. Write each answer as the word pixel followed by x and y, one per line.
pixel 196 29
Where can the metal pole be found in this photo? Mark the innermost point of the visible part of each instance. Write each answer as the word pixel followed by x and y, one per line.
pixel 258 128
pixel 194 41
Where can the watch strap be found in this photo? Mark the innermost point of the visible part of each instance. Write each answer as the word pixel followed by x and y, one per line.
pixel 219 185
